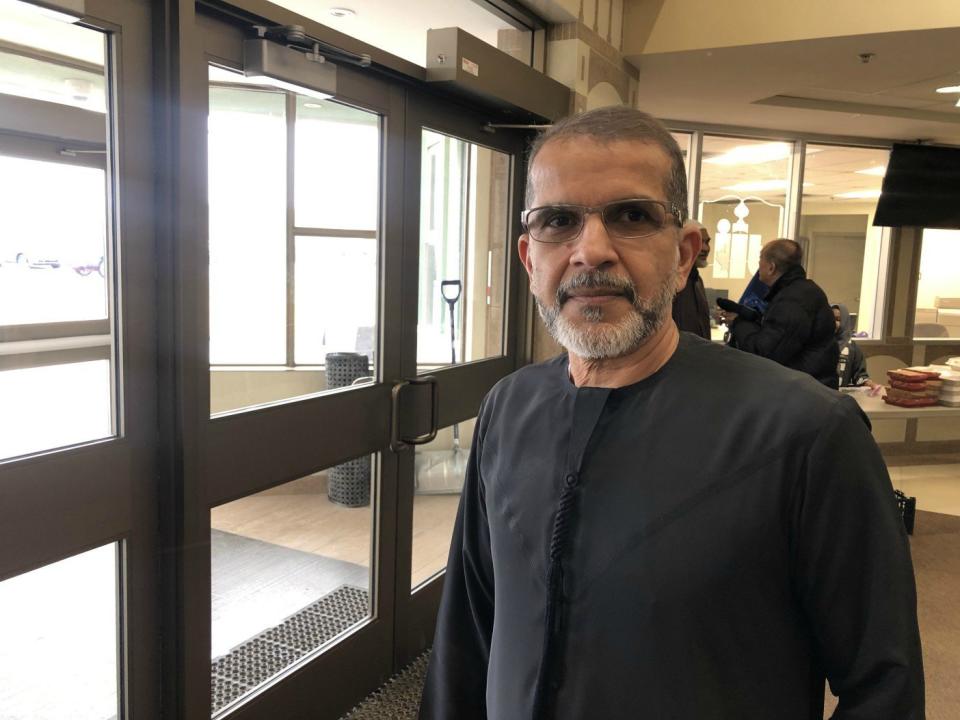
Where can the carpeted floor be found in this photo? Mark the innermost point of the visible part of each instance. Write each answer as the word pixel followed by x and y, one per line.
pixel 936 557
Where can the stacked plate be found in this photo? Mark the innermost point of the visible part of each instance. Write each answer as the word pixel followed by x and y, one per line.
pixel 950 390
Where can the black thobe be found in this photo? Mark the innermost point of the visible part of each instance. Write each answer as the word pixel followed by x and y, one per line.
pixel 691 312
pixel 706 544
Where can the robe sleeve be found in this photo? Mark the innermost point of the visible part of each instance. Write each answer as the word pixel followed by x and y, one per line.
pixel 456 682
pixel 854 576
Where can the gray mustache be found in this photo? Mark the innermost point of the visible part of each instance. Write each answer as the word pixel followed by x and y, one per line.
pixel 597 280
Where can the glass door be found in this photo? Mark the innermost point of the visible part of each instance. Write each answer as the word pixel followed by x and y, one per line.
pixel 78 352
pixel 290 491
pixel 349 313
pixel 465 289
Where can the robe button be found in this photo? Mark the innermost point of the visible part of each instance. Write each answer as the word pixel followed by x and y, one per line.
pixel 571 480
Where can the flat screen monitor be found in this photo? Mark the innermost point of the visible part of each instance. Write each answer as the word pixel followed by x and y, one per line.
pixel 921 188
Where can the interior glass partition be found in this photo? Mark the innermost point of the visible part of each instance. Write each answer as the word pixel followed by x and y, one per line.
pixel 843 252
pixel 742 202
pixel 938 292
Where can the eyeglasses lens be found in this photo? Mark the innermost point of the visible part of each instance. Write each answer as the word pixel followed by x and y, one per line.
pixel 634 218
pixel 625 219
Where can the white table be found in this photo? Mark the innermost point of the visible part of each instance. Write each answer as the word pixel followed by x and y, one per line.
pixel 877 409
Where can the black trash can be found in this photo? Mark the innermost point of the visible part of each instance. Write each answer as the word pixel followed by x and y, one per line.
pixel 348 483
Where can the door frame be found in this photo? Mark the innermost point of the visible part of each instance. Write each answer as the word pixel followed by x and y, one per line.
pixel 461 388
pixel 58 503
pixel 217 460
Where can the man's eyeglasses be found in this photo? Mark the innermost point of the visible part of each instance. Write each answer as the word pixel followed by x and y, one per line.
pixel 634 218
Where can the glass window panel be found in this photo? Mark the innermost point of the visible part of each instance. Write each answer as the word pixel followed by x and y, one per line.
pixel 247 150
pixel 276 305
pixel 336 298
pixel 743 190
pixel 40 80
pixel 337 166
pixel 938 292
pixel 59 625
pixel 21 24
pixel 56 244
pixel 683 140
pixel 843 250
pixel 401 28
pixel 440 467
pixel 290 573
pixel 464 202
pixel 53 236
pixel 54 406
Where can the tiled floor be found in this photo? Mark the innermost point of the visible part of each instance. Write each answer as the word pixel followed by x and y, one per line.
pixel 936 487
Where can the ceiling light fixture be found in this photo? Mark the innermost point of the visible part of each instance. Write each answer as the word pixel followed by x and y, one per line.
pixel 753 154
pixel 876 170
pixel 760 186
pixel 859 195
pixel 342 12
pixel 949 89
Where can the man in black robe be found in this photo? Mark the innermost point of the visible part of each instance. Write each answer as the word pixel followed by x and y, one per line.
pixel 654 526
pixel 691 311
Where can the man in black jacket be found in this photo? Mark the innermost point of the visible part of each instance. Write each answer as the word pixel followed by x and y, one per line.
pixel 797 329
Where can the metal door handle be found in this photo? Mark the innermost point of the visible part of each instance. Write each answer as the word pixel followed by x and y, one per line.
pixel 398 443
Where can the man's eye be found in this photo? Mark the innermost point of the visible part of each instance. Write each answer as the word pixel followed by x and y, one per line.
pixel 559 220
pixel 632 214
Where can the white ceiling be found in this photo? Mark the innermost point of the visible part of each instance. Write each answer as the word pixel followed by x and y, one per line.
pixel 814 86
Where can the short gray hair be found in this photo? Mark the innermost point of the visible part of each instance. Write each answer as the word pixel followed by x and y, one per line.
pixel 783 253
pixel 617 123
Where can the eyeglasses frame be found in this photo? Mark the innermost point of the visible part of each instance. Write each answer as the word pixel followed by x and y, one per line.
pixel 669 209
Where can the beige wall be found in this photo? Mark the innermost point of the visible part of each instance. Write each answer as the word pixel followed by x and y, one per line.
pixel 659 26
pixel 834 247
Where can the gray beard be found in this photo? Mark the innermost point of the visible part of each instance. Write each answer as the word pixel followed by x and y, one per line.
pixel 595 339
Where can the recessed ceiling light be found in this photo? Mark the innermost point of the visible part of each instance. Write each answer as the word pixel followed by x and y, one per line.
pixel 877 170
pixel 313 105
pixel 342 12
pixel 949 89
pixel 860 195
pixel 753 154
pixel 760 186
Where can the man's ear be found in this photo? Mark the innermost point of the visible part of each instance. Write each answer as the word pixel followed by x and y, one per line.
pixel 689 247
pixel 523 247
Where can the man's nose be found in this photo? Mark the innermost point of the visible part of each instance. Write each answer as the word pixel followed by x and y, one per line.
pixel 594 247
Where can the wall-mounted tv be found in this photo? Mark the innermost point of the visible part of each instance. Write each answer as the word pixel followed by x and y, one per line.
pixel 921 188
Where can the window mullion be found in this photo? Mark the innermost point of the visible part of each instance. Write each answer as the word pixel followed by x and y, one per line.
pixel 291 115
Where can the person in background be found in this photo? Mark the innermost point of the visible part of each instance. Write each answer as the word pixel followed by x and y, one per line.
pixel 691 311
pixel 797 329
pixel 606 561
pixel 852 365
